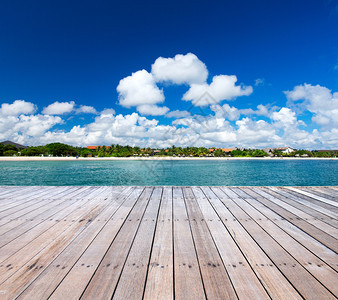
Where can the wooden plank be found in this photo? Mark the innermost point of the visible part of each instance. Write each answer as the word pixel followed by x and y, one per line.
pixel 244 280
pixel 23 271
pixel 26 238
pixel 74 262
pixel 317 267
pixel 106 276
pixel 188 281
pixel 331 189
pixel 12 192
pixel 160 283
pixel 46 239
pixel 274 282
pixel 21 229
pixel 283 210
pixel 305 199
pixel 322 192
pixel 299 213
pixel 133 277
pixel 299 277
pixel 31 214
pixel 29 211
pixel 211 265
pixel 317 211
pixel 25 200
pixel 324 253
pixel 330 202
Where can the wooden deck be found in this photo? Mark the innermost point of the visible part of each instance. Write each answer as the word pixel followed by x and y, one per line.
pixel 168 242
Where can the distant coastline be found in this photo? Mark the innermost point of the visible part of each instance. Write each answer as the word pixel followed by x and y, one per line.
pixel 39 158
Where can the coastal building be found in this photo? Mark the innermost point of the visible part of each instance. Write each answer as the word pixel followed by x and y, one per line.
pixel 286 150
pixel 96 147
pixel 225 150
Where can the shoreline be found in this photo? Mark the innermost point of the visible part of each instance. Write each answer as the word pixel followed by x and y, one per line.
pixel 38 158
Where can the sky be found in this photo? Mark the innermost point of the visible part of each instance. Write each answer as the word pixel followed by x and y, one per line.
pixel 155 74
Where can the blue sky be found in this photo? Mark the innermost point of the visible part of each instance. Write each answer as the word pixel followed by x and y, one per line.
pixel 77 52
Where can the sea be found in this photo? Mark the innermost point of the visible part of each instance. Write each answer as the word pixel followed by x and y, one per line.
pixel 261 172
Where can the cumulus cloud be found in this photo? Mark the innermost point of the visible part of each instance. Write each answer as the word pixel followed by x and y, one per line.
pixel 182 69
pixel 85 109
pixel 258 132
pixel 26 129
pixel 232 113
pixel 284 117
pixel 139 89
pixel 59 108
pixel 223 126
pixel 17 107
pixel 152 110
pixel 178 114
pixel 317 99
pixel 197 130
pixel 108 111
pixel 222 87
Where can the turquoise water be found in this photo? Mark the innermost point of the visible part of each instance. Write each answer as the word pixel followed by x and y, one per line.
pixel 203 172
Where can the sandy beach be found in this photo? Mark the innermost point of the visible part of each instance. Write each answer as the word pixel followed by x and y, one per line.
pixel 38 158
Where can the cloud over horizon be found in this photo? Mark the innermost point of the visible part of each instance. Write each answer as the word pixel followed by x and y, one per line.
pixel 307 119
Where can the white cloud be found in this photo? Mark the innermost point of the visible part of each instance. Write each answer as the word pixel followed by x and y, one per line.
pixel 285 117
pixel 262 110
pixel 258 133
pixel 232 113
pixel 17 107
pixel 59 108
pixel 108 111
pixel 182 69
pixel 226 111
pixel 317 99
pixel 259 82
pixel 85 109
pixel 222 87
pixel 26 129
pixel 225 126
pixel 178 114
pixel 139 89
pixel 133 129
pixel 152 110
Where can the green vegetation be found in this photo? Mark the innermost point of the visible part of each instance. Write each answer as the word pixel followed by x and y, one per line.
pixel 248 153
pixel 59 149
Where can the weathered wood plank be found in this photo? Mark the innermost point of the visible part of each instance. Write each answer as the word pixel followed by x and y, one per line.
pixel 133 277
pixel 188 281
pixel 312 209
pixel 24 270
pixel 305 199
pixel 333 203
pixel 324 253
pixel 211 265
pixel 160 283
pixel 244 280
pixel 302 280
pixel 280 208
pixel 318 268
pixel 272 279
pixel 72 269
pixel 106 276
pixel 17 231
pixel 163 243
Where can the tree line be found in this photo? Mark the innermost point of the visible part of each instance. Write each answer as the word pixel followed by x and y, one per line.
pixel 116 150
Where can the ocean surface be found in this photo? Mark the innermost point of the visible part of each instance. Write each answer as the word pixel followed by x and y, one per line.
pixel 171 172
